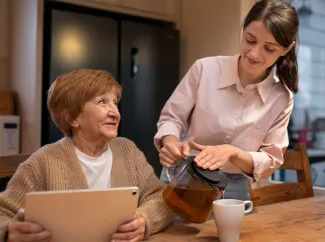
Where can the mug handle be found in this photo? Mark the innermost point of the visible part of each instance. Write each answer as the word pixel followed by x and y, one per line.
pixel 250 206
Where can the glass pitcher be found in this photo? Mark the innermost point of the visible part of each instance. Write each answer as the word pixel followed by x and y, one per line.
pixel 192 190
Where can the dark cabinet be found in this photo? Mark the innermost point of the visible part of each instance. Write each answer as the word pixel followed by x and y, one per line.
pixel 142 56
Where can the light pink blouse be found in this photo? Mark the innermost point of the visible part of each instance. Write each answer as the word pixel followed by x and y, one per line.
pixel 212 107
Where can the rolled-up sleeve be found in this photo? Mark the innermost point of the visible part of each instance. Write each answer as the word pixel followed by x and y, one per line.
pixel 174 115
pixel 270 155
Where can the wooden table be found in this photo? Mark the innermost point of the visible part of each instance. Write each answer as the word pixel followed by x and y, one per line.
pixel 298 220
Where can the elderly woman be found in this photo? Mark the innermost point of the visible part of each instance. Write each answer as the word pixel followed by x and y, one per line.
pixel 83 104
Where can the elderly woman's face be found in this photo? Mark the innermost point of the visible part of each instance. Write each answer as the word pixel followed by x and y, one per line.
pixel 100 117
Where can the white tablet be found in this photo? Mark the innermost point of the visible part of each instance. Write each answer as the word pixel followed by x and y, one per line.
pixel 82 215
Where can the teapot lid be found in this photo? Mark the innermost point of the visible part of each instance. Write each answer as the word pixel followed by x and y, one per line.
pixel 215 178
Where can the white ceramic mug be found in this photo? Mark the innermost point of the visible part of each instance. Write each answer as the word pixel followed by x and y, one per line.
pixel 228 215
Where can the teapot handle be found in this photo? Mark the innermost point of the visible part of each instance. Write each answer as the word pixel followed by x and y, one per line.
pixel 173 171
pixel 168 174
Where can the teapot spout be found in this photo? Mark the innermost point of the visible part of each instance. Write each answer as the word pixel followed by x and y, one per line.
pixel 220 193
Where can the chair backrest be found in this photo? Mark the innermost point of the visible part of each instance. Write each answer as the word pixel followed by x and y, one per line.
pixel 293 160
pixel 10 163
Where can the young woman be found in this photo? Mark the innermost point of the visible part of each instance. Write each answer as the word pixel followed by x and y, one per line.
pixel 232 109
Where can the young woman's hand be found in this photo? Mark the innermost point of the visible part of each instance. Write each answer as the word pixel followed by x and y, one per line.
pixel 213 157
pixel 173 151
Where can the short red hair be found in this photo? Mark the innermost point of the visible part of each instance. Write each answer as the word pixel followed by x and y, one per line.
pixel 69 93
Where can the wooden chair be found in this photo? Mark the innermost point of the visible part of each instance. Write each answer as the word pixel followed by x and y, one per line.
pixel 293 160
pixel 8 166
pixel 10 163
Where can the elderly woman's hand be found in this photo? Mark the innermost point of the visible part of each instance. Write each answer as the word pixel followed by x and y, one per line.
pixel 132 231
pixel 21 230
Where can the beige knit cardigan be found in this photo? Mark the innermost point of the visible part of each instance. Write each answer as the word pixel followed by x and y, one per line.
pixel 56 167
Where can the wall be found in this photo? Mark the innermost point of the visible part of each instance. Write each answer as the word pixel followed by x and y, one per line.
pixel 25 67
pixel 212 28
pixel 4 45
pixel 208 29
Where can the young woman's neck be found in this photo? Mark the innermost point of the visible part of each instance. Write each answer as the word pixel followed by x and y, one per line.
pixel 247 78
pixel 90 148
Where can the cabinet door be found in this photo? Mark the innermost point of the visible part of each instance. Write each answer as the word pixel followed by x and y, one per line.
pixel 149 74
pixel 77 40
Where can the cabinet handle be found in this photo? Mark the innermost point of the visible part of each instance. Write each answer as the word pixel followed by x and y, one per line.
pixel 134 62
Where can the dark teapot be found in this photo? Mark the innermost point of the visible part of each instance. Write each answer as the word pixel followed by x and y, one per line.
pixel 192 190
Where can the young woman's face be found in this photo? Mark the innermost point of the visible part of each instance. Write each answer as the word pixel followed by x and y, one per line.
pixel 259 49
